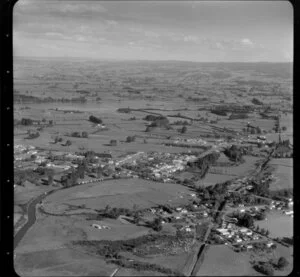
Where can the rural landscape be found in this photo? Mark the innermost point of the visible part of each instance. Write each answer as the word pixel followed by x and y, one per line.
pixel 152 167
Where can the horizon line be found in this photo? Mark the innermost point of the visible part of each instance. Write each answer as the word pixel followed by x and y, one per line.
pixel 142 60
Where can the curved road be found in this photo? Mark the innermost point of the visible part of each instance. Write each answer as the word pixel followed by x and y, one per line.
pixel 31 212
pixel 31 217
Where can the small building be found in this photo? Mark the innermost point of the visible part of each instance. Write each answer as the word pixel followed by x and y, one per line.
pixel 269 244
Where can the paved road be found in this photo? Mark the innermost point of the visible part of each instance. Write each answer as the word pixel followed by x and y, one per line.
pixel 31 217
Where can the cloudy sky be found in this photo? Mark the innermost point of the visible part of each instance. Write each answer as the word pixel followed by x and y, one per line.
pixel 208 31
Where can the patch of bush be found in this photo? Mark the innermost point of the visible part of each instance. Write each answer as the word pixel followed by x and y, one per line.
pixel 33 135
pixel 282 263
pixel 130 139
pixel 255 101
pixel 264 268
pixel 95 119
pixel 26 121
pixel 113 142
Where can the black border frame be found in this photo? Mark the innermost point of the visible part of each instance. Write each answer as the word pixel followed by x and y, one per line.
pixel 6 139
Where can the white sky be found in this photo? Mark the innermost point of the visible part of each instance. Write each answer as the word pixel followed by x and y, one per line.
pixel 208 31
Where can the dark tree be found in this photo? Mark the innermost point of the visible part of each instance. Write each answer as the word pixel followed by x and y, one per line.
pixel 183 130
pixel 265 268
pixel 136 218
pixel 156 224
pixel 26 121
pixel 246 220
pixel 130 139
pixel 68 143
pixel 84 135
pixel 282 263
pixel 113 142
pixel 95 119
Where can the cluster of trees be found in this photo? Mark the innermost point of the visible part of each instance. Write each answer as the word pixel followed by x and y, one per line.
pixel 79 135
pixel 95 119
pixel 113 142
pixel 156 224
pixel 124 110
pixel 262 231
pixel 161 122
pixel 32 135
pixel 182 130
pixel 202 164
pixel 253 130
pixel 26 121
pixel 245 220
pixel 255 101
pixel 261 188
pixel 130 139
pixel 71 179
pixel 68 143
pixel 57 139
pixel 264 268
pixel 20 176
pixel 143 266
pixel 33 176
pixel 219 111
pixel 234 154
pixel 234 116
pixel 267 268
pixel 116 212
pixel 181 122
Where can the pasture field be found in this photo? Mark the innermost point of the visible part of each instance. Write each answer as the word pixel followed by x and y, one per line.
pixel 228 173
pixel 220 260
pixel 279 224
pixel 61 262
pixel 120 193
pixel 283 174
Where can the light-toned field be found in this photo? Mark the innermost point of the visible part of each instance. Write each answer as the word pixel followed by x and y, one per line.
pixel 52 232
pixel 279 224
pixel 22 195
pixel 283 174
pixel 61 262
pixel 220 260
pixel 229 173
pixel 120 193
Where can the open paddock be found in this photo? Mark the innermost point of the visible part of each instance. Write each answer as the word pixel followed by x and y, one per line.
pixel 278 224
pixel 283 174
pixel 120 193
pixel 220 260
pixel 61 262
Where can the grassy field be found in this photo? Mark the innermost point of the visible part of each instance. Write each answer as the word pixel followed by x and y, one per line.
pixel 66 262
pixel 229 173
pixel 279 224
pixel 283 174
pixel 121 193
pixel 220 260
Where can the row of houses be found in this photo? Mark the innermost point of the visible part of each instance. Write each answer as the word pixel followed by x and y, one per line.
pixel 234 234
